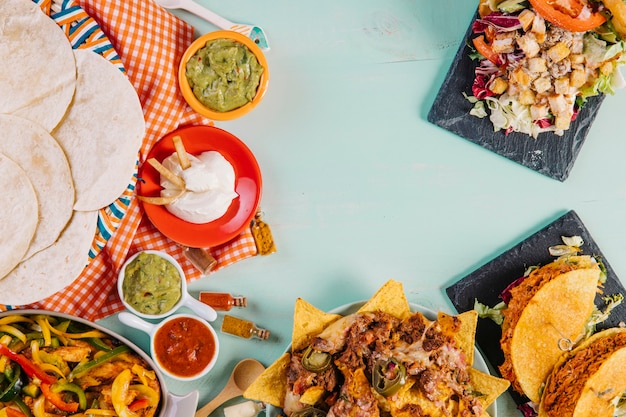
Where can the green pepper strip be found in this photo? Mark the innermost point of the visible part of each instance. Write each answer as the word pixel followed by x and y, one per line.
pixel 57 400
pixel 81 370
pixel 388 376
pixel 63 386
pixel 29 367
pixel 14 386
pixel 22 406
pixel 99 344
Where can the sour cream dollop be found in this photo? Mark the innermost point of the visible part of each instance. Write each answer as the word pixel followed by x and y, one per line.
pixel 210 183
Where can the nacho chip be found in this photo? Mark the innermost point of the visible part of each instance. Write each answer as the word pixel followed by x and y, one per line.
pixel 463 329
pixel 308 322
pixel 312 395
pixel 389 298
pixel 490 386
pixel 271 385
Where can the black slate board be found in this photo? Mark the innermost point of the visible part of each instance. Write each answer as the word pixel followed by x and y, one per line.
pixel 549 154
pixel 487 282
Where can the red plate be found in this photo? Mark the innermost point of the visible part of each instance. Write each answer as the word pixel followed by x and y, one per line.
pixel 199 139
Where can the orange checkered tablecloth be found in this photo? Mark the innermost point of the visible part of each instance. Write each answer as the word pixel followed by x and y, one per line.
pixel 150 42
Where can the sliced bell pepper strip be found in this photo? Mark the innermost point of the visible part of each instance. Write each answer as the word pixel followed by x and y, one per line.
pixel 30 368
pixel 86 367
pixel 13 331
pixel 147 393
pixel 63 386
pixel 119 393
pixel 14 384
pixel 485 50
pixel 57 400
pixel 12 412
pixel 138 404
pixel 22 406
pixel 567 21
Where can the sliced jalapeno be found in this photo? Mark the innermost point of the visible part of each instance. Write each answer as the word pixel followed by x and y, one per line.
pixel 309 412
pixel 388 376
pixel 315 361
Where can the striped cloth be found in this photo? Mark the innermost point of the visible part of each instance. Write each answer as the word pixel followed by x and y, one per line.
pixel 150 42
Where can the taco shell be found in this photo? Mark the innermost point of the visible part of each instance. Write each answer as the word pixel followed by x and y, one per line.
pixel 595 376
pixel 554 316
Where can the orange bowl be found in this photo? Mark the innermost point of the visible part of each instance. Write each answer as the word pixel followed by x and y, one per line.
pixel 190 97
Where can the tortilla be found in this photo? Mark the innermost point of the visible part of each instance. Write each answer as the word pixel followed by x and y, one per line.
pixel 37 66
pixel 595 378
pixel 53 268
pixel 556 313
pixel 18 214
pixel 102 132
pixel 39 154
pixel 309 322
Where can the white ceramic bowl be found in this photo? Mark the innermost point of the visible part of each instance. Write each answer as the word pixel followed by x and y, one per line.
pixel 171 405
pixel 201 309
pixel 153 329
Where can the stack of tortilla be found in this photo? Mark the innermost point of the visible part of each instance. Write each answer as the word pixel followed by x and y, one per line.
pixel 70 134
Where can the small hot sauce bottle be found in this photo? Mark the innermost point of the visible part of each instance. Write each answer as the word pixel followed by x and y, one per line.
pixel 243 328
pixel 222 301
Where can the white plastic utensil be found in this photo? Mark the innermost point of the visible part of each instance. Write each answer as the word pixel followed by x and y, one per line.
pixel 253 32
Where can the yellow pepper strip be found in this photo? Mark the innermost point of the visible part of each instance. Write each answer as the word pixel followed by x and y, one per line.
pixel 45 330
pixel 146 392
pixel 5 340
pixel 91 333
pixel 119 393
pixel 143 374
pixel 34 348
pixel 14 319
pixel 39 407
pixel 13 331
pixel 99 412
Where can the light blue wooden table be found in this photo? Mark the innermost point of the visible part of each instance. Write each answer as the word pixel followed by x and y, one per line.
pixel 360 188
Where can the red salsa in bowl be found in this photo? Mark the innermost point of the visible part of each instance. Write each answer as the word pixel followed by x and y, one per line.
pixel 185 347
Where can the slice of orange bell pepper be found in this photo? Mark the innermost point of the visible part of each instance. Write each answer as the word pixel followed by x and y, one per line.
pixel 12 412
pixel 485 50
pixel 559 17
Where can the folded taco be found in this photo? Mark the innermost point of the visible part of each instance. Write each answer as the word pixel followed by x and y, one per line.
pixel 590 380
pixel 545 316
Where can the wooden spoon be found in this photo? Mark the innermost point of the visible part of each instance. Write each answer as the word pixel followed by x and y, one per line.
pixel 243 375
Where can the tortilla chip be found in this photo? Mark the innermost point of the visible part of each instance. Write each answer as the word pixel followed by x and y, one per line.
pixel 390 299
pixel 490 386
pixel 312 395
pixel 308 322
pixel 463 329
pixel 270 387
